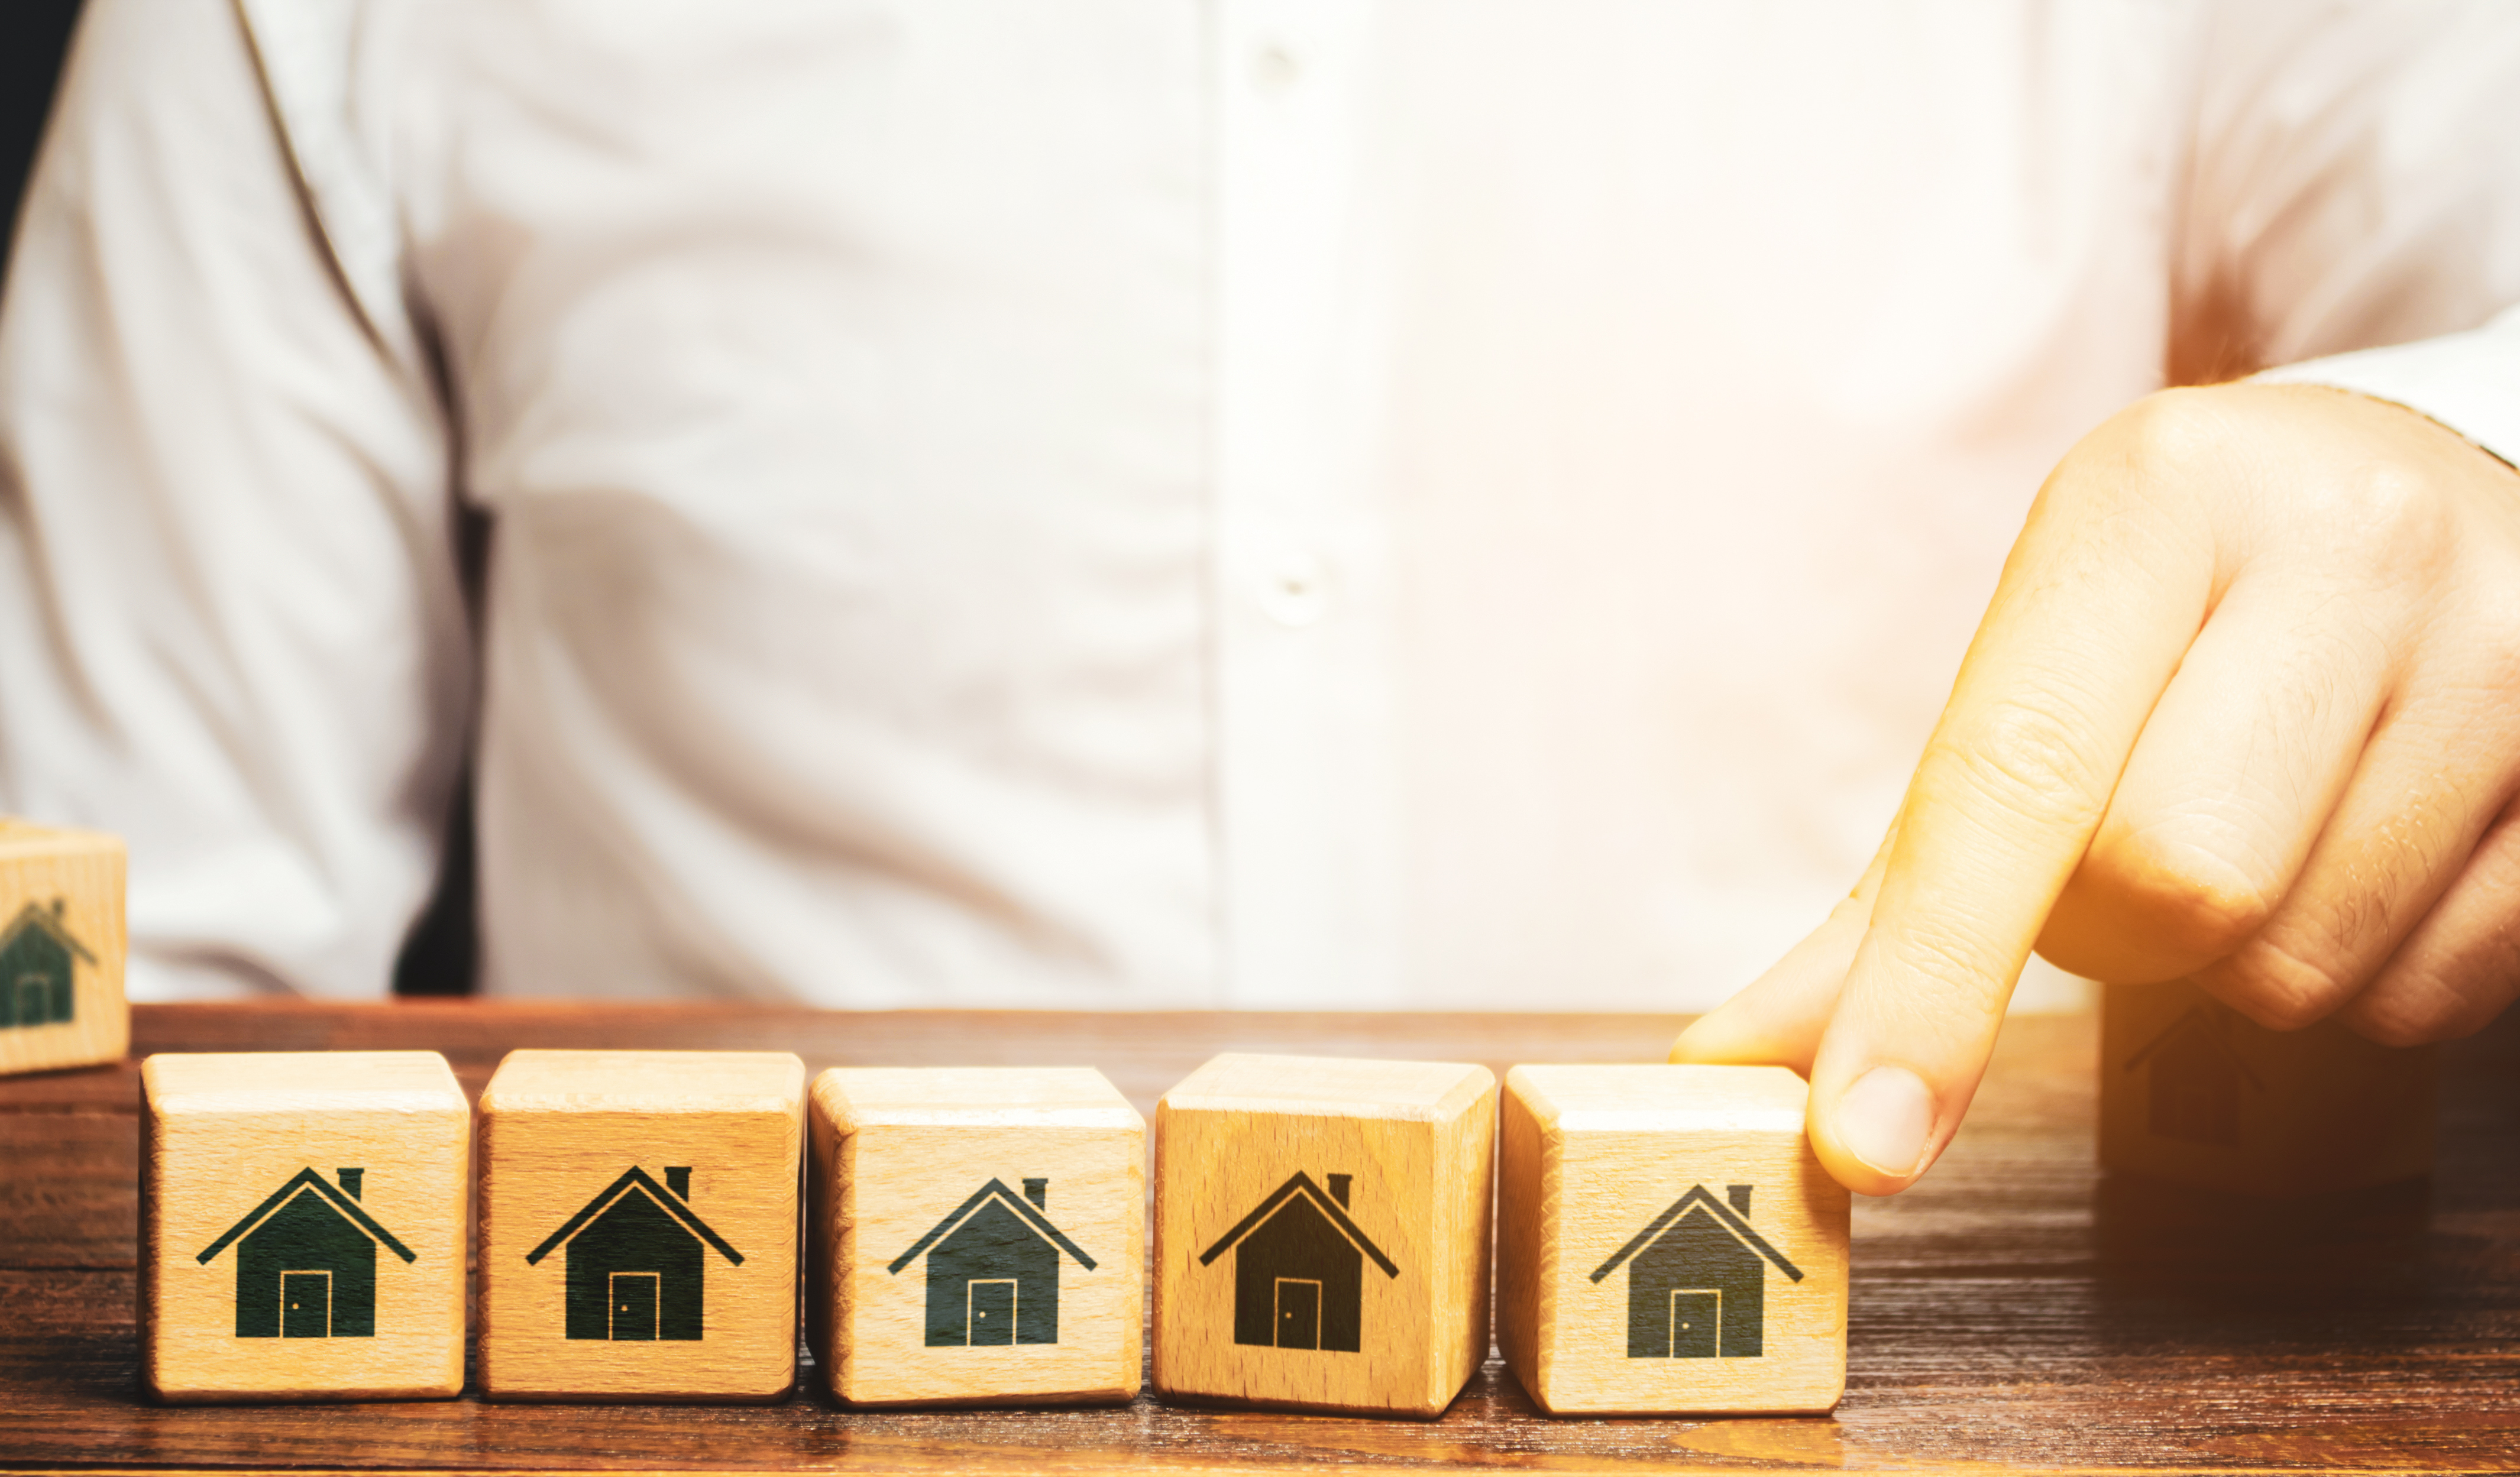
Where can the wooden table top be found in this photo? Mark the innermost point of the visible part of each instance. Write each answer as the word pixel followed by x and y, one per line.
pixel 2016 1309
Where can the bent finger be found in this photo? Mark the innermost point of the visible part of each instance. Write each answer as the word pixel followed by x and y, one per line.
pixel 2102 595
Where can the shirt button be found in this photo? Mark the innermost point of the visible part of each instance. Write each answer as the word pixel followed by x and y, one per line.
pixel 1274 71
pixel 1297 590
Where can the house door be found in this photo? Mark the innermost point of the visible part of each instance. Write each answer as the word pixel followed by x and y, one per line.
pixel 1299 1312
pixel 1696 1320
pixel 633 1304
pixel 993 1309
pixel 34 1000
pixel 306 1304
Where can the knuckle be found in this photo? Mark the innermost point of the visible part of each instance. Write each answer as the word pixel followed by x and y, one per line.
pixel 2394 519
pixel 2193 900
pixel 2278 989
pixel 2028 759
pixel 2396 1022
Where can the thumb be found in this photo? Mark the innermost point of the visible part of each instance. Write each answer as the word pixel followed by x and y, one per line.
pixel 1777 1020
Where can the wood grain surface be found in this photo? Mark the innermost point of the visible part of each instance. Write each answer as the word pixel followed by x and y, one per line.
pixel 1261 1161
pixel 226 1139
pixel 2015 1311
pixel 904 1160
pixel 674 1172
pixel 61 908
pixel 1623 1188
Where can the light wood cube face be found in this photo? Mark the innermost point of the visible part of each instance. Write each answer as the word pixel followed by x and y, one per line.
pixel 977 1237
pixel 302 1225
pixel 639 1225
pixel 2195 1092
pixel 1322 1232
pixel 1668 1244
pixel 61 949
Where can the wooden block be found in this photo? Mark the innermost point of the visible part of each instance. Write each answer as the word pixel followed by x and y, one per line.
pixel 302 1226
pixel 1667 1243
pixel 61 949
pixel 979 1235
pixel 2195 1092
pixel 639 1225
pixel 1322 1232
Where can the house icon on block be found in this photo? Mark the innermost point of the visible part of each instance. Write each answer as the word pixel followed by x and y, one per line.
pixel 306 1261
pixel 2192 1080
pixel 36 953
pixel 1300 1269
pixel 1698 1279
pixel 636 1255
pixel 993 1268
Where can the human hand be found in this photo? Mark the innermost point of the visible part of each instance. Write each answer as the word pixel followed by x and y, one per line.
pixel 2245 709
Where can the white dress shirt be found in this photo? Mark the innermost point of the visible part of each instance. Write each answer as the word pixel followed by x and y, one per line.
pixel 1126 503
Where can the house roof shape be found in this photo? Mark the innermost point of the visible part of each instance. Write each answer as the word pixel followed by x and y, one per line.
pixel 348 1208
pixel 2198 1019
pixel 1023 1210
pixel 1301 1183
pixel 49 919
pixel 634 1178
pixel 1723 1215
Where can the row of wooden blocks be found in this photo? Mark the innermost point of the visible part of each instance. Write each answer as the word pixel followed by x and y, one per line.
pixel 1666 1240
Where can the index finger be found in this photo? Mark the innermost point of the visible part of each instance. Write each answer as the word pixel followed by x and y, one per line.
pixel 2106 587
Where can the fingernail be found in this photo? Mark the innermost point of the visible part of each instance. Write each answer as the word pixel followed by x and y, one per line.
pixel 1885 1118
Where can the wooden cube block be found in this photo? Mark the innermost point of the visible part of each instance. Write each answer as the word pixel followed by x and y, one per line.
pixel 639 1225
pixel 61 949
pixel 302 1225
pixel 1667 1243
pixel 979 1235
pixel 1322 1232
pixel 2193 1092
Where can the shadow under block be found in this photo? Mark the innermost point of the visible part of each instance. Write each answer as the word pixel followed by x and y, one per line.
pixel 978 1235
pixel 2194 1092
pixel 1667 1243
pixel 1322 1232
pixel 301 1230
pixel 61 949
pixel 639 1225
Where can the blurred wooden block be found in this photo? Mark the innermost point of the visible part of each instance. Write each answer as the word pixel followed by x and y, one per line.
pixel 1322 1232
pixel 639 1227
pixel 61 949
pixel 979 1235
pixel 302 1225
pixel 1667 1243
pixel 2195 1092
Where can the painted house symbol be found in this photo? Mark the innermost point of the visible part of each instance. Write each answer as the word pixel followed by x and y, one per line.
pixel 306 1261
pixel 1299 1268
pixel 1698 1283
pixel 993 1268
pixel 36 968
pixel 2192 1080
pixel 637 1254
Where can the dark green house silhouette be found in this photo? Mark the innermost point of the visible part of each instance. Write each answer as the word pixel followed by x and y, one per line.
pixel 306 1261
pixel 1698 1279
pixel 2193 1076
pixel 36 968
pixel 993 1268
pixel 636 1258
pixel 1300 1269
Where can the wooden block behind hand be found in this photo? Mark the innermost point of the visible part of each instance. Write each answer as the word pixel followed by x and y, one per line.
pixel 1668 1244
pixel 302 1225
pixel 2193 1092
pixel 61 949
pixel 639 1225
pixel 1322 1232
pixel 979 1235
